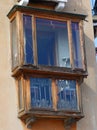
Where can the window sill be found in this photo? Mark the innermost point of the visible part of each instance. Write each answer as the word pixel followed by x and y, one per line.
pixel 68 117
pixel 56 72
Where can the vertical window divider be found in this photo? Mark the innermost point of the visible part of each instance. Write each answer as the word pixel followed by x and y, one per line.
pixel 70 44
pixel 28 93
pixel 78 96
pixel 18 23
pixel 54 94
pixel 34 40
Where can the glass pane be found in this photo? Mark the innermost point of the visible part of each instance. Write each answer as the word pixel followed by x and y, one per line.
pixel 76 45
pixel 28 49
pixel 67 97
pixel 15 59
pixel 52 43
pixel 40 92
pixel 20 94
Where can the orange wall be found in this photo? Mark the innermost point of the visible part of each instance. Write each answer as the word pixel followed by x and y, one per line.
pixel 8 95
pixel 48 124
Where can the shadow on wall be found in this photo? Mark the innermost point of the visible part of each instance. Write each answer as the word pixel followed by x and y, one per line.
pixel 91 80
pixel 89 102
pixel 89 99
pixel 89 90
pixel 90 52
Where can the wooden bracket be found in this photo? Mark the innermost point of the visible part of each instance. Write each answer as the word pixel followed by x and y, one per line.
pixel 68 122
pixel 29 122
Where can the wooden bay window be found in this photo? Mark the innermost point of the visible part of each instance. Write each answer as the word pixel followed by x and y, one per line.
pixel 48 97
pixel 43 40
pixel 48 62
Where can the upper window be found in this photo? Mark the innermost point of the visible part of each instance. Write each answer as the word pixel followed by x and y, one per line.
pixel 49 42
pixel 52 44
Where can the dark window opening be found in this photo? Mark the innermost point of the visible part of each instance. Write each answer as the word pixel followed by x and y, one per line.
pixel 41 92
pixel 52 42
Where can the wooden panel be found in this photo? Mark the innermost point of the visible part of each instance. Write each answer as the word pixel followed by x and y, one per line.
pixel 82 42
pixel 70 44
pixel 28 93
pixel 78 96
pixel 54 94
pixel 18 33
pixel 21 43
pixel 34 41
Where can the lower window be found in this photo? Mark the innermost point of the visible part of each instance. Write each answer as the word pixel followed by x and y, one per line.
pixel 41 92
pixel 56 94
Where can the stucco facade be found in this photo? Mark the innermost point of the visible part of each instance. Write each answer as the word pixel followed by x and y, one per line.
pixel 8 92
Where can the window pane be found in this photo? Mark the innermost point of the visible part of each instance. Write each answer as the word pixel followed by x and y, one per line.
pixel 52 43
pixel 76 45
pixel 40 92
pixel 67 97
pixel 15 59
pixel 28 49
pixel 20 94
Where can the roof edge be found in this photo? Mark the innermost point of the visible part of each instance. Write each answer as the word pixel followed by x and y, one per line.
pixel 30 8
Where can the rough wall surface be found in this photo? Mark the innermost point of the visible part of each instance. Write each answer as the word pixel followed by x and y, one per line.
pixel 75 6
pixel 89 87
pixel 8 95
pixel 8 99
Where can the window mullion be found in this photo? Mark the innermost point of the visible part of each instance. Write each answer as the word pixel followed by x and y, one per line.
pixel 78 96
pixel 54 94
pixel 27 93
pixel 70 44
pixel 34 40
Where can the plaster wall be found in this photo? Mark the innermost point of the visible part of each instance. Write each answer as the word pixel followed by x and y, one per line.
pixel 8 95
pixel 8 99
pixel 89 87
pixel 75 6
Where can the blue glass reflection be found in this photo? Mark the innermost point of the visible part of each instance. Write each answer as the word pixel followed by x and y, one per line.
pixel 76 45
pixel 27 23
pixel 52 43
pixel 67 97
pixel 41 92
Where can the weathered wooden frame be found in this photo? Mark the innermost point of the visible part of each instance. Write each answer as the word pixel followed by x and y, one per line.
pixel 48 15
pixel 29 111
pixel 24 71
